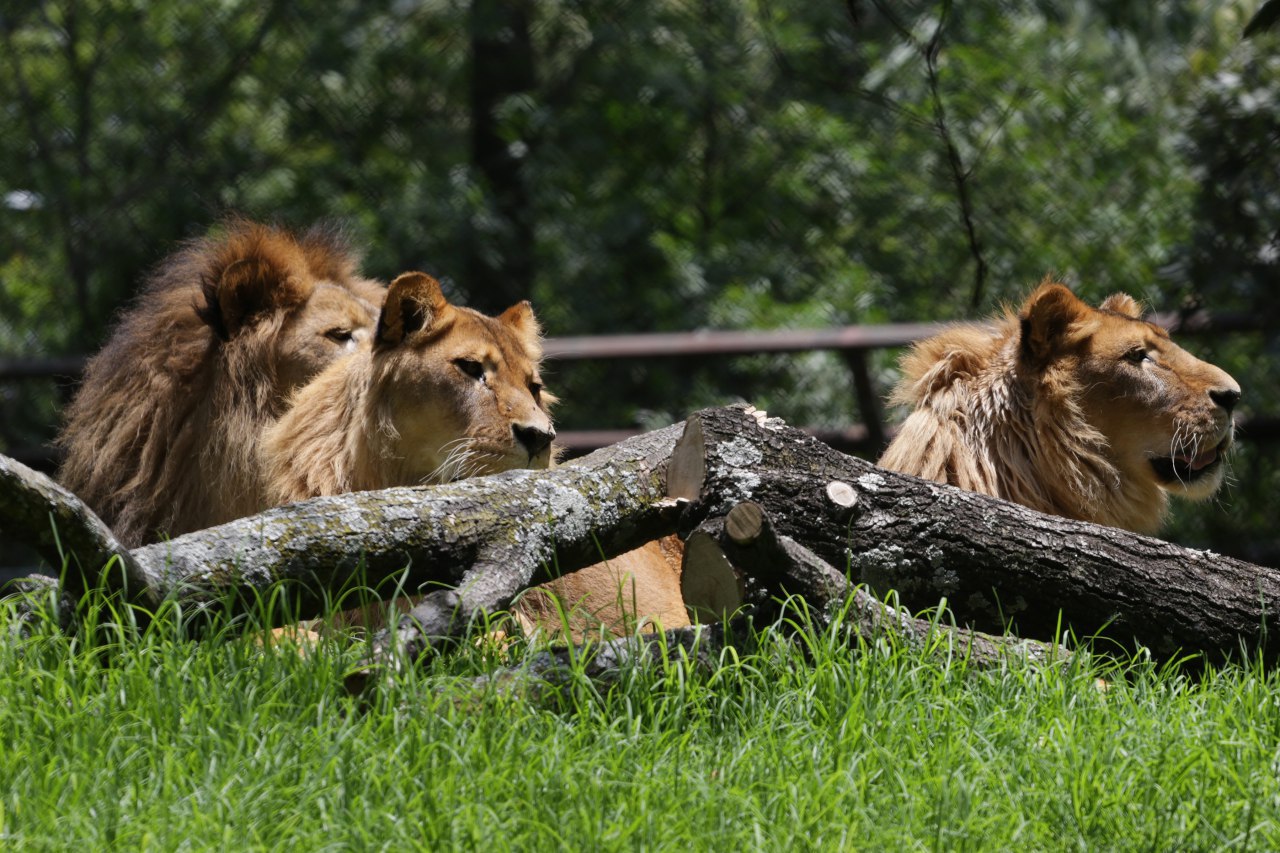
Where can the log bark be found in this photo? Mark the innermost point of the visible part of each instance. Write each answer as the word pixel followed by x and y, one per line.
pixel 1000 566
pixel 488 537
pixel 56 524
pixel 768 566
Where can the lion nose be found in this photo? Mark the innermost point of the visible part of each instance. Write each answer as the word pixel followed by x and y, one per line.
pixel 1225 397
pixel 534 439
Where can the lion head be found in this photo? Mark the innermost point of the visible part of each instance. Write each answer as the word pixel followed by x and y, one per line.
pixel 161 437
pixel 440 393
pixel 1088 413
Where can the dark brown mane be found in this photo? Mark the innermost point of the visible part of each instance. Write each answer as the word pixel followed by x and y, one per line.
pixel 161 435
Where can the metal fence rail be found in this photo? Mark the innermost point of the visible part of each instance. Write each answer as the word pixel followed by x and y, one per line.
pixel 853 343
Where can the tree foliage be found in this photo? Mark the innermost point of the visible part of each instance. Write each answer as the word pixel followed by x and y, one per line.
pixel 673 164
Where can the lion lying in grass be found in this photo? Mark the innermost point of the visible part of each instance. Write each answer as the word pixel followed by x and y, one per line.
pixel 441 393
pixel 1087 413
pixel 162 436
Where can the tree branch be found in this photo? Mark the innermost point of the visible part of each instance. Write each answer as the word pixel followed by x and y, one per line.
pixel 960 175
pixel 40 513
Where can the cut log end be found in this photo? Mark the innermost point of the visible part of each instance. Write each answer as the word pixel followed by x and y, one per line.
pixel 687 470
pixel 744 522
pixel 842 494
pixel 709 585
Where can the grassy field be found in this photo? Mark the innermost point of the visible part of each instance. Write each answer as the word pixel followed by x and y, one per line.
pixel 156 742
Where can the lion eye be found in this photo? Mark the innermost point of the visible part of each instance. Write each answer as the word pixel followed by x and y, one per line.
pixel 472 368
pixel 345 338
pixel 535 388
pixel 1136 355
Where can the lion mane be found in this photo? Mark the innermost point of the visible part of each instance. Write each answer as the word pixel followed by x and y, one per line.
pixel 1087 413
pixel 162 436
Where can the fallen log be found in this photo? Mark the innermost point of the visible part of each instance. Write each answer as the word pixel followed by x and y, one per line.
pixel 998 565
pixel 488 537
pixel 743 554
pixel 55 524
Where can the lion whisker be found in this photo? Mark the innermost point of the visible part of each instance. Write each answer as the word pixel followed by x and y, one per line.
pixel 458 455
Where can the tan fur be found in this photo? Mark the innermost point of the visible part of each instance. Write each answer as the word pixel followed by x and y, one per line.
pixel 638 590
pixel 439 394
pixel 442 393
pixel 1068 409
pixel 162 437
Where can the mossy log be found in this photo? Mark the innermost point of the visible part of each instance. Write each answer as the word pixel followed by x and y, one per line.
pixel 998 565
pixel 489 537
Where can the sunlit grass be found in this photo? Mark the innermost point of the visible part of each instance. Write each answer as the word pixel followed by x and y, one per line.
pixel 152 741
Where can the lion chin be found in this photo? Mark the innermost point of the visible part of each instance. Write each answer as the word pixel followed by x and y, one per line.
pixel 1088 413
pixel 1196 475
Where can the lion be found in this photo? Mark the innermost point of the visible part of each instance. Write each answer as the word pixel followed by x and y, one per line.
pixel 1087 413
pixel 162 436
pixel 440 393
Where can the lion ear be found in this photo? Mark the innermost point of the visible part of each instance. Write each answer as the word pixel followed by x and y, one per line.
pixel 1123 304
pixel 520 319
pixel 1046 318
pixel 246 289
pixel 414 302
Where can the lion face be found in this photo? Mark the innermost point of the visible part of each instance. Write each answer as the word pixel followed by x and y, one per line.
pixel 460 391
pixel 333 322
pixel 440 393
pixel 1166 414
pixel 1083 412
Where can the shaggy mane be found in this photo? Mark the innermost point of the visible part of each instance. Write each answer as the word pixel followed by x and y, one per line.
pixel 162 435
pixel 982 425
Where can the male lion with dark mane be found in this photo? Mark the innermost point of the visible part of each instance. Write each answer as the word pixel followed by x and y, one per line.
pixel 439 394
pixel 162 437
pixel 1088 413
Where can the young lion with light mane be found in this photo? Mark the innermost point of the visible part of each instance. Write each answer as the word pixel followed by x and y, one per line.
pixel 1087 413
pixel 162 437
pixel 442 393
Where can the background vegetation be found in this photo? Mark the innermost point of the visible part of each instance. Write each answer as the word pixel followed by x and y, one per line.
pixel 643 166
pixel 674 164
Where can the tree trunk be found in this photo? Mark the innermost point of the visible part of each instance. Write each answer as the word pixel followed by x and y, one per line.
pixel 500 254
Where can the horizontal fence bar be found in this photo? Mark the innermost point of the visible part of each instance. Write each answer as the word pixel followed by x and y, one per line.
pixel 705 342
pixel 716 342
pixel 58 367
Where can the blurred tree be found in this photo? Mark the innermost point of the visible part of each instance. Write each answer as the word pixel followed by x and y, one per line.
pixel 670 164
pixel 500 262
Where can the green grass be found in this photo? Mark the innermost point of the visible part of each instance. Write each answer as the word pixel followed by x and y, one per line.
pixel 156 742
